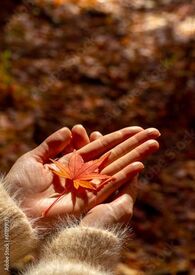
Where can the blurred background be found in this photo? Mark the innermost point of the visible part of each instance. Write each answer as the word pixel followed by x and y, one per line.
pixel 108 64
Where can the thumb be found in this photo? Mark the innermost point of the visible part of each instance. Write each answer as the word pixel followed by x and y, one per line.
pixel 121 209
pixel 53 145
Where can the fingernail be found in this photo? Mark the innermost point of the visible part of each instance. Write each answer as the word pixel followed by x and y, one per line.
pixel 153 130
pixel 79 125
pixel 97 133
pixel 152 142
pixel 138 165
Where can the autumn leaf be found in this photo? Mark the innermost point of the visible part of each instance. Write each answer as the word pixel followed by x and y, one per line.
pixel 80 174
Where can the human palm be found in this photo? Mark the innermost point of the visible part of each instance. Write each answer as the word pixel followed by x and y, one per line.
pixel 32 179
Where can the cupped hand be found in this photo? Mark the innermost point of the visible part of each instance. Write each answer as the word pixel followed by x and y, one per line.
pixel 32 179
pixel 118 210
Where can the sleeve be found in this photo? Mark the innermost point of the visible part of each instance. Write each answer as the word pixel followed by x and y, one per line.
pixel 80 250
pixel 17 237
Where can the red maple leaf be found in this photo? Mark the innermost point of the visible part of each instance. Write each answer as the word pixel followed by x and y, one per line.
pixel 80 174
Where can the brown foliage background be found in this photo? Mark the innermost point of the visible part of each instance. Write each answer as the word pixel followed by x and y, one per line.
pixel 107 65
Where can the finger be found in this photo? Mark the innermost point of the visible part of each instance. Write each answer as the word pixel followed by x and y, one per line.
pixel 137 154
pixel 103 144
pixel 130 188
pixel 118 211
pixel 126 174
pixel 132 142
pixel 79 136
pixel 53 145
pixel 80 139
pixel 122 204
pixel 121 208
pixel 95 135
pixel 68 149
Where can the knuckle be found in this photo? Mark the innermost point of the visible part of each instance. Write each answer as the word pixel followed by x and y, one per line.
pixel 137 152
pixel 103 143
pixel 122 175
pixel 113 154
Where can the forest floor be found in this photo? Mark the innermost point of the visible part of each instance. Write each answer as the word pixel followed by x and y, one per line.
pixel 107 65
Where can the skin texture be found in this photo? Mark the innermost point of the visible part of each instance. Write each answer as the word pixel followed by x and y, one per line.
pixel 33 179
